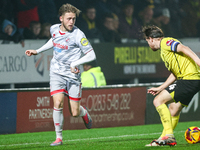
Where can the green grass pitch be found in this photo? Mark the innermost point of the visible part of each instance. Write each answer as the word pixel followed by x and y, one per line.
pixel 118 138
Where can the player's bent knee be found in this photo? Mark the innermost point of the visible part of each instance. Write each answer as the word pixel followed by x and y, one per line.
pixel 155 102
pixel 58 104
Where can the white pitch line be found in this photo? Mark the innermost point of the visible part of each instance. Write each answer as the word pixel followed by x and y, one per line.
pixel 89 139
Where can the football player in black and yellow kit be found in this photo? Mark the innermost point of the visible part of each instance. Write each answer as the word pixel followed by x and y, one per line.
pixel 183 64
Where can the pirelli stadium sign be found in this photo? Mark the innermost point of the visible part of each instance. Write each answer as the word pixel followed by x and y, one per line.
pixel 128 61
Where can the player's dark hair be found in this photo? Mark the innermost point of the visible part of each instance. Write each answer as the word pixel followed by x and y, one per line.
pixel 68 8
pixel 152 31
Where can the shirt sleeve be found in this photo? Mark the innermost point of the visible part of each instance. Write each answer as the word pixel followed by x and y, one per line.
pixel 83 42
pixel 46 46
pixel 170 44
pixel 174 46
pixel 90 56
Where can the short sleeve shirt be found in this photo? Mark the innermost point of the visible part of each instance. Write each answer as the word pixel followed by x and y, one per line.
pixel 182 66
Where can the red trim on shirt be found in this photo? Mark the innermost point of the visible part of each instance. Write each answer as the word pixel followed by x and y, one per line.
pixel 89 51
pixel 61 33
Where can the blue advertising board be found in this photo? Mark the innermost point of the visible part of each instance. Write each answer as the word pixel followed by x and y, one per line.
pixel 8 110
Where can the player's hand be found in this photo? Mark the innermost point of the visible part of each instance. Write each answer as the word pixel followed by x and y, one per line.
pixel 154 91
pixel 30 52
pixel 75 70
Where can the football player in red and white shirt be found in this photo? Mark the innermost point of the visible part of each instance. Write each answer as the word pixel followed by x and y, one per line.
pixel 69 43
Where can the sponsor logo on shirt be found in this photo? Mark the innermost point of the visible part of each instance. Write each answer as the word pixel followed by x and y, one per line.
pixel 169 42
pixel 57 49
pixel 84 41
pixel 60 46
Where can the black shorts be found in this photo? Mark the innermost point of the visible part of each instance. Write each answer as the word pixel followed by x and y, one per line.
pixel 183 90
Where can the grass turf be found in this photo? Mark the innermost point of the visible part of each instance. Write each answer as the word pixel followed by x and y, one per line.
pixel 118 138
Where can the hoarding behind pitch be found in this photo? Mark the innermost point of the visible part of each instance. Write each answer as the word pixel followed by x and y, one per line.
pixel 34 112
pixel 8 107
pixel 114 107
pixel 108 108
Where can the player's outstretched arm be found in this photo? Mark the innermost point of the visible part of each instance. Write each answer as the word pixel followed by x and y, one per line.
pixel 45 47
pixel 30 52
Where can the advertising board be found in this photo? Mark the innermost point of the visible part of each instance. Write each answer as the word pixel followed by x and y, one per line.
pixel 107 107
pixel 8 107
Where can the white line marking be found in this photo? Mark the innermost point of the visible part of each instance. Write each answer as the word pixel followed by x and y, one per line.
pixel 89 139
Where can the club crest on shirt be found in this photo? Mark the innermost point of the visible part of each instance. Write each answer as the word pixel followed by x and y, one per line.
pixel 67 39
pixel 169 42
pixel 84 41
pixel 54 35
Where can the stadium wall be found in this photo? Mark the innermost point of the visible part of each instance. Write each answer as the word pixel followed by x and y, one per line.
pixel 31 110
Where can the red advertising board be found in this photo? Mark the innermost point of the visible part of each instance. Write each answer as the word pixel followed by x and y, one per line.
pixel 107 107
pixel 34 112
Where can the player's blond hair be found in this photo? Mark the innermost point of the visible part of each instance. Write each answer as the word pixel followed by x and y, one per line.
pixel 68 8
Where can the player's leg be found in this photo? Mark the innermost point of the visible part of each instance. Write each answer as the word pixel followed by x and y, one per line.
pixel 79 111
pixel 175 117
pixel 181 92
pixel 74 108
pixel 75 93
pixel 175 111
pixel 170 139
pixel 58 117
pixel 160 102
pixel 58 86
